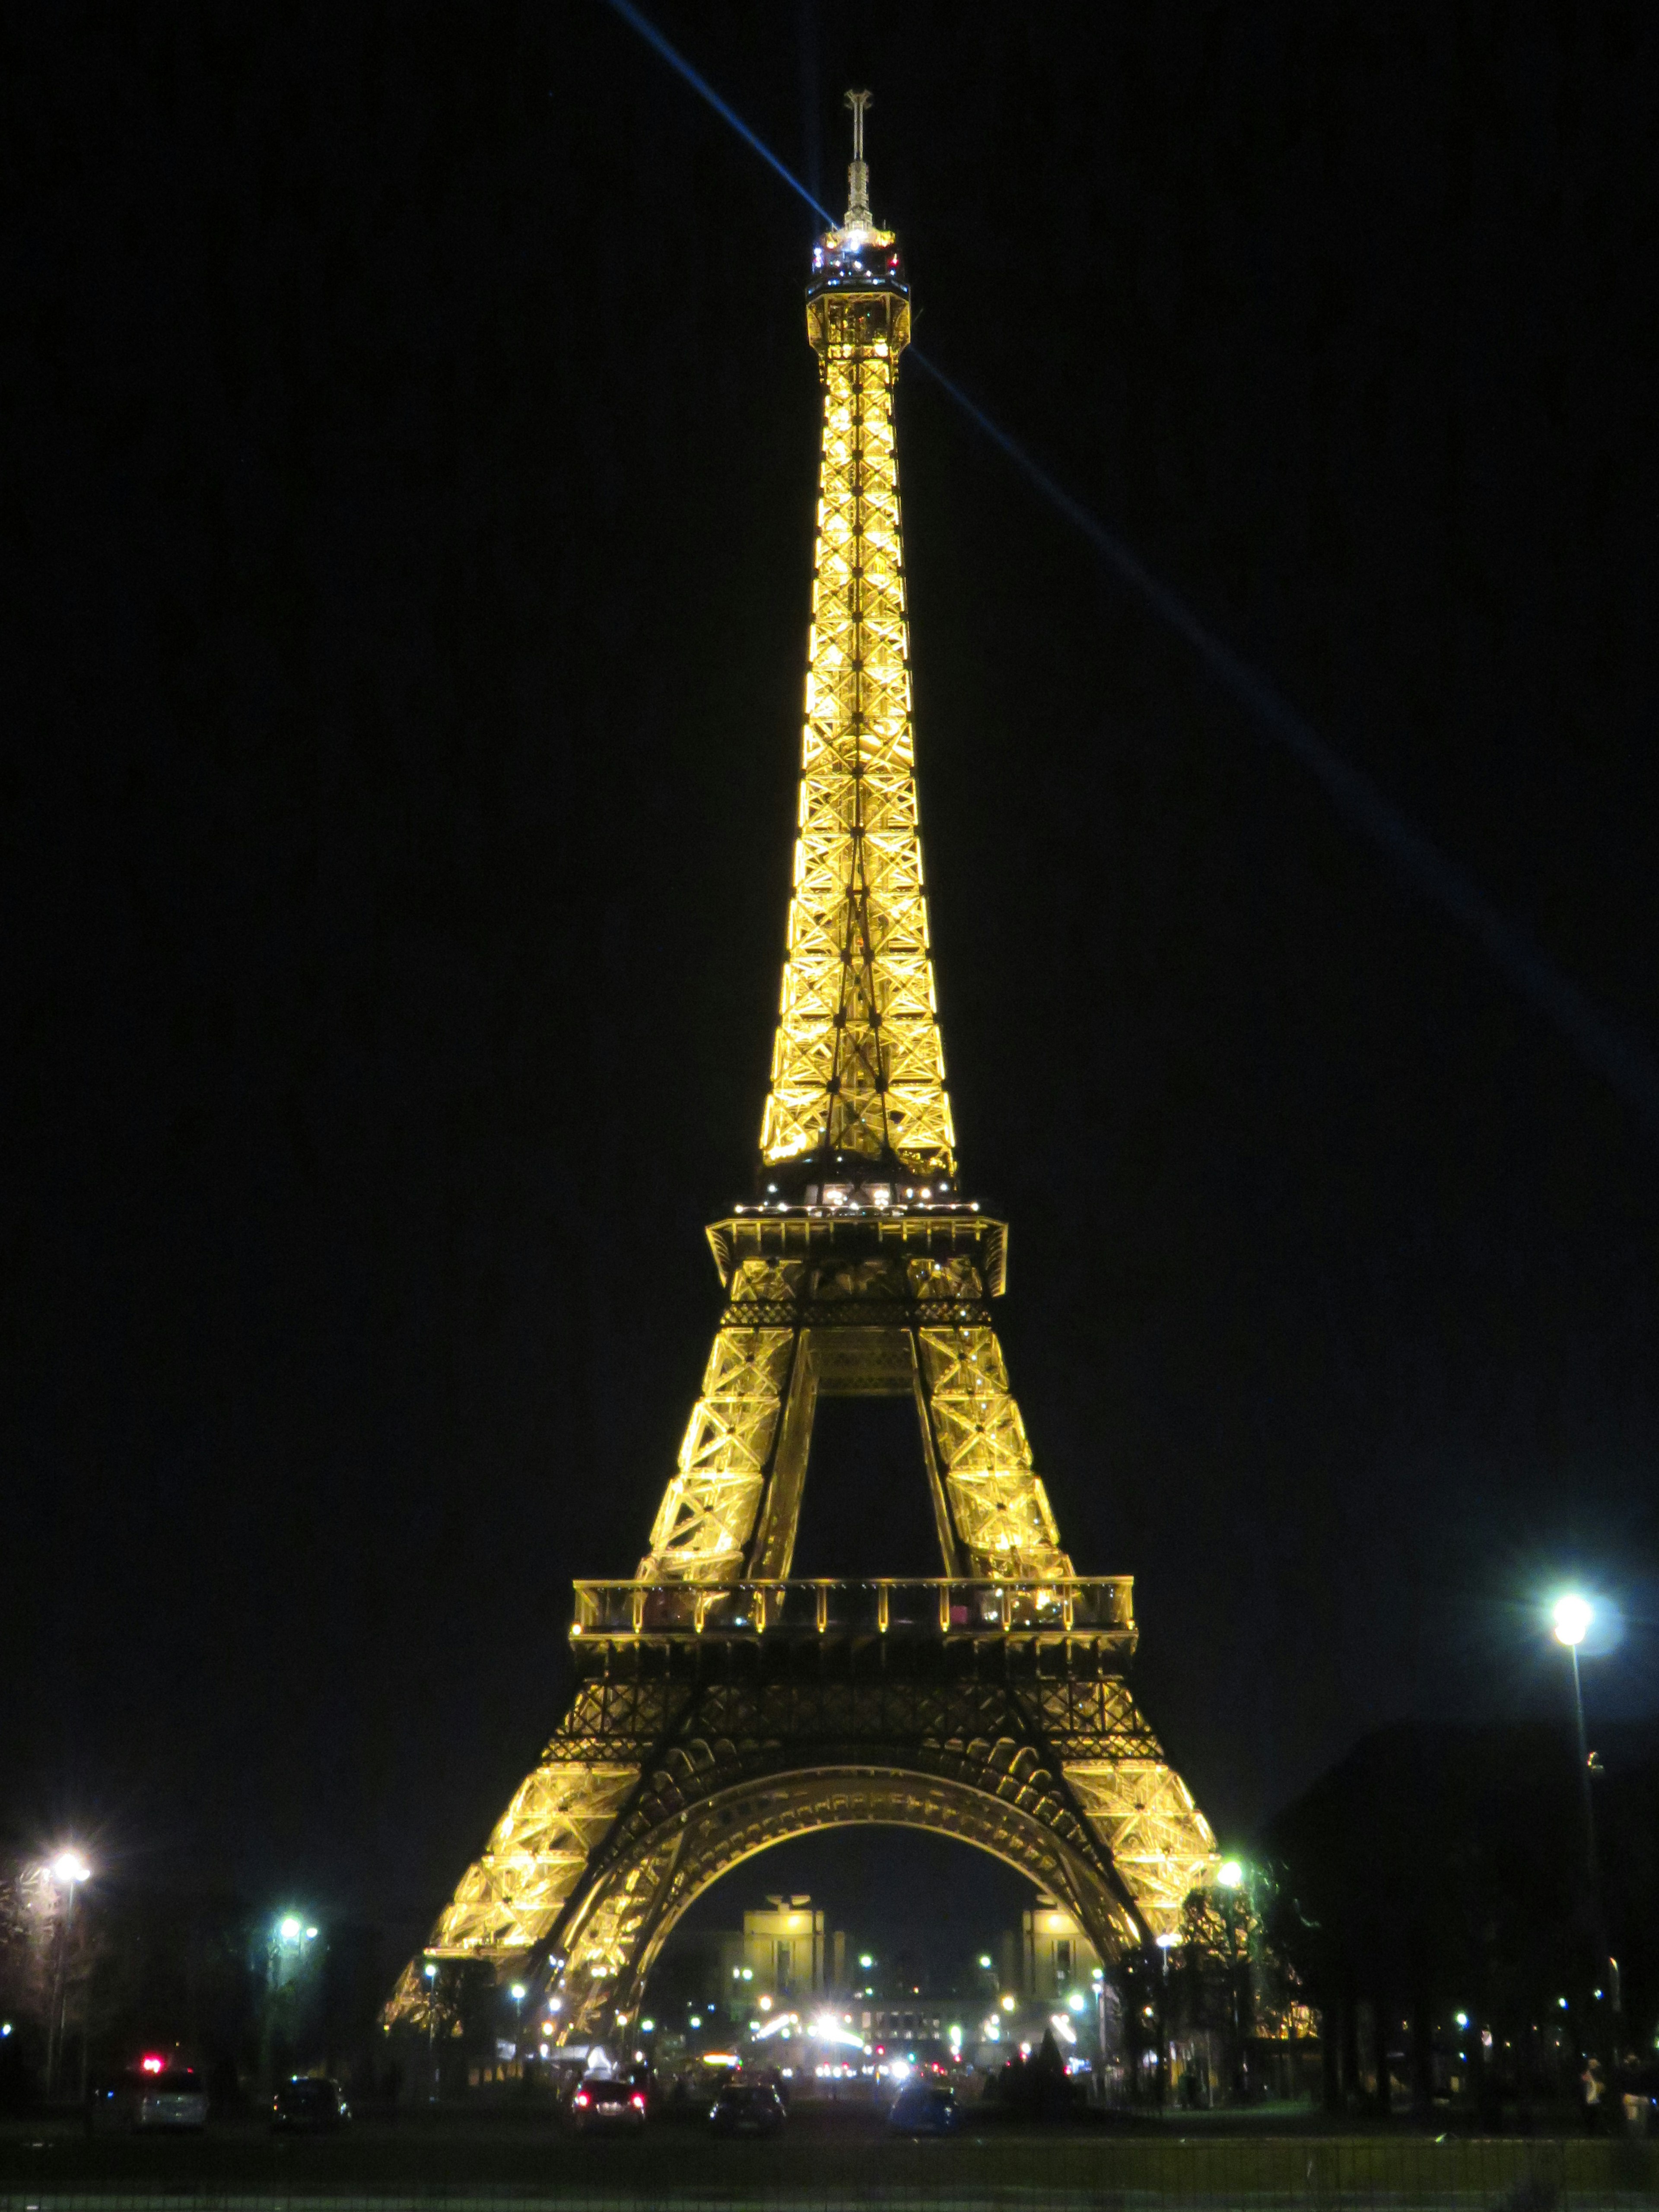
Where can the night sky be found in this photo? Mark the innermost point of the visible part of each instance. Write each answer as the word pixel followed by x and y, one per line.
pixel 409 465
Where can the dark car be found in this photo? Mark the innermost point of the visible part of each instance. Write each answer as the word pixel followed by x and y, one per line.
pixel 924 2108
pixel 309 2103
pixel 603 2101
pixel 747 2108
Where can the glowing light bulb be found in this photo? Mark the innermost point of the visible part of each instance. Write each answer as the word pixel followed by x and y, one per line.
pixel 1572 1616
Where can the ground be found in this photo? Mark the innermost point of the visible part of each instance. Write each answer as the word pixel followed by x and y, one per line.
pixel 828 2157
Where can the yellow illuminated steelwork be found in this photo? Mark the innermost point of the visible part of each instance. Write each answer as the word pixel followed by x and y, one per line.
pixel 694 1737
pixel 858 1068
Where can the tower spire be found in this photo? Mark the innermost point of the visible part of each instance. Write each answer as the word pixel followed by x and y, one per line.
pixel 858 216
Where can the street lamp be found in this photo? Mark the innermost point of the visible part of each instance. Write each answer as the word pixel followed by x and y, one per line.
pixel 291 1936
pixel 1572 1616
pixel 1231 1877
pixel 68 1871
pixel 430 1972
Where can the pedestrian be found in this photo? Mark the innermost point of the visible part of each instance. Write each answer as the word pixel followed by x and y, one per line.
pixel 1590 2088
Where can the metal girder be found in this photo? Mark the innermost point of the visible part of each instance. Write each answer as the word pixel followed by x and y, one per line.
pixel 1016 1761
pixel 853 1312
pixel 1029 1745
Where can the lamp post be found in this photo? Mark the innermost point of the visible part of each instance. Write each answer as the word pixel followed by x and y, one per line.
pixel 1572 1616
pixel 1169 1940
pixel 1229 1879
pixel 430 1970
pixel 286 1954
pixel 68 1871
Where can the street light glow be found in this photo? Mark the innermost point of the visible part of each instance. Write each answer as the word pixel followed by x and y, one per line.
pixel 1572 1616
pixel 69 1868
pixel 1230 1873
pixel 289 1929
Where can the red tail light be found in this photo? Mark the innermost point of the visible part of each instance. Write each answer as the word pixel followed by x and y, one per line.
pixel 581 2097
pixel 638 2100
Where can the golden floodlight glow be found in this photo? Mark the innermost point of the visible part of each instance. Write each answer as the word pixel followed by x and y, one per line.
pixel 858 1065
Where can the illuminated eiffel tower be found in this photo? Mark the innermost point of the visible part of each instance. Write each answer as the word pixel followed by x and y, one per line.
pixel 721 1706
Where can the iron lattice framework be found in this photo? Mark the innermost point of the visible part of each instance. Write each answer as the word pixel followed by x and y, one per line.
pixel 720 1705
pixel 858 1067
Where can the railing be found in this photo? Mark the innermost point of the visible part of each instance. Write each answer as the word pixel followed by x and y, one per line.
pixel 1081 1604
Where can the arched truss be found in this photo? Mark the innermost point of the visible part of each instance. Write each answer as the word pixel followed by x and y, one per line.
pixel 673 1764
pixel 618 1926
pixel 775 1812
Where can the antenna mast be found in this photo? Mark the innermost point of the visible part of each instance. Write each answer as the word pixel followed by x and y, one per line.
pixel 858 216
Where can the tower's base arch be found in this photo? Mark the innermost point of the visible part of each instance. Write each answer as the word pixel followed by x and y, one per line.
pixel 686 1751
pixel 642 1899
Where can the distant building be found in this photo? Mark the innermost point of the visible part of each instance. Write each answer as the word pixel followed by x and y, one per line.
pixel 1058 1956
pixel 784 1948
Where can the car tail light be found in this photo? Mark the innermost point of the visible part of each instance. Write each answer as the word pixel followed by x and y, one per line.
pixel 581 2097
pixel 638 2100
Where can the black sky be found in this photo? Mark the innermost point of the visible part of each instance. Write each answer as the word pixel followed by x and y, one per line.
pixel 409 477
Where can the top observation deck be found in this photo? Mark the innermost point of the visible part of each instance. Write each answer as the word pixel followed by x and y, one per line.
pixel 860 256
pixel 857 261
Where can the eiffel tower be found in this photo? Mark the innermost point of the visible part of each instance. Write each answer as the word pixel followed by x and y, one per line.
pixel 721 1706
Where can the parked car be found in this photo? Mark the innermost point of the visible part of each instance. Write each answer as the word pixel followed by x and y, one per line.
pixel 118 2100
pixel 924 2108
pixel 309 2103
pixel 165 2095
pixel 602 2102
pixel 746 2108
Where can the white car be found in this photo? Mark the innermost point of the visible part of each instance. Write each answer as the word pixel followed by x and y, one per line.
pixel 169 2097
